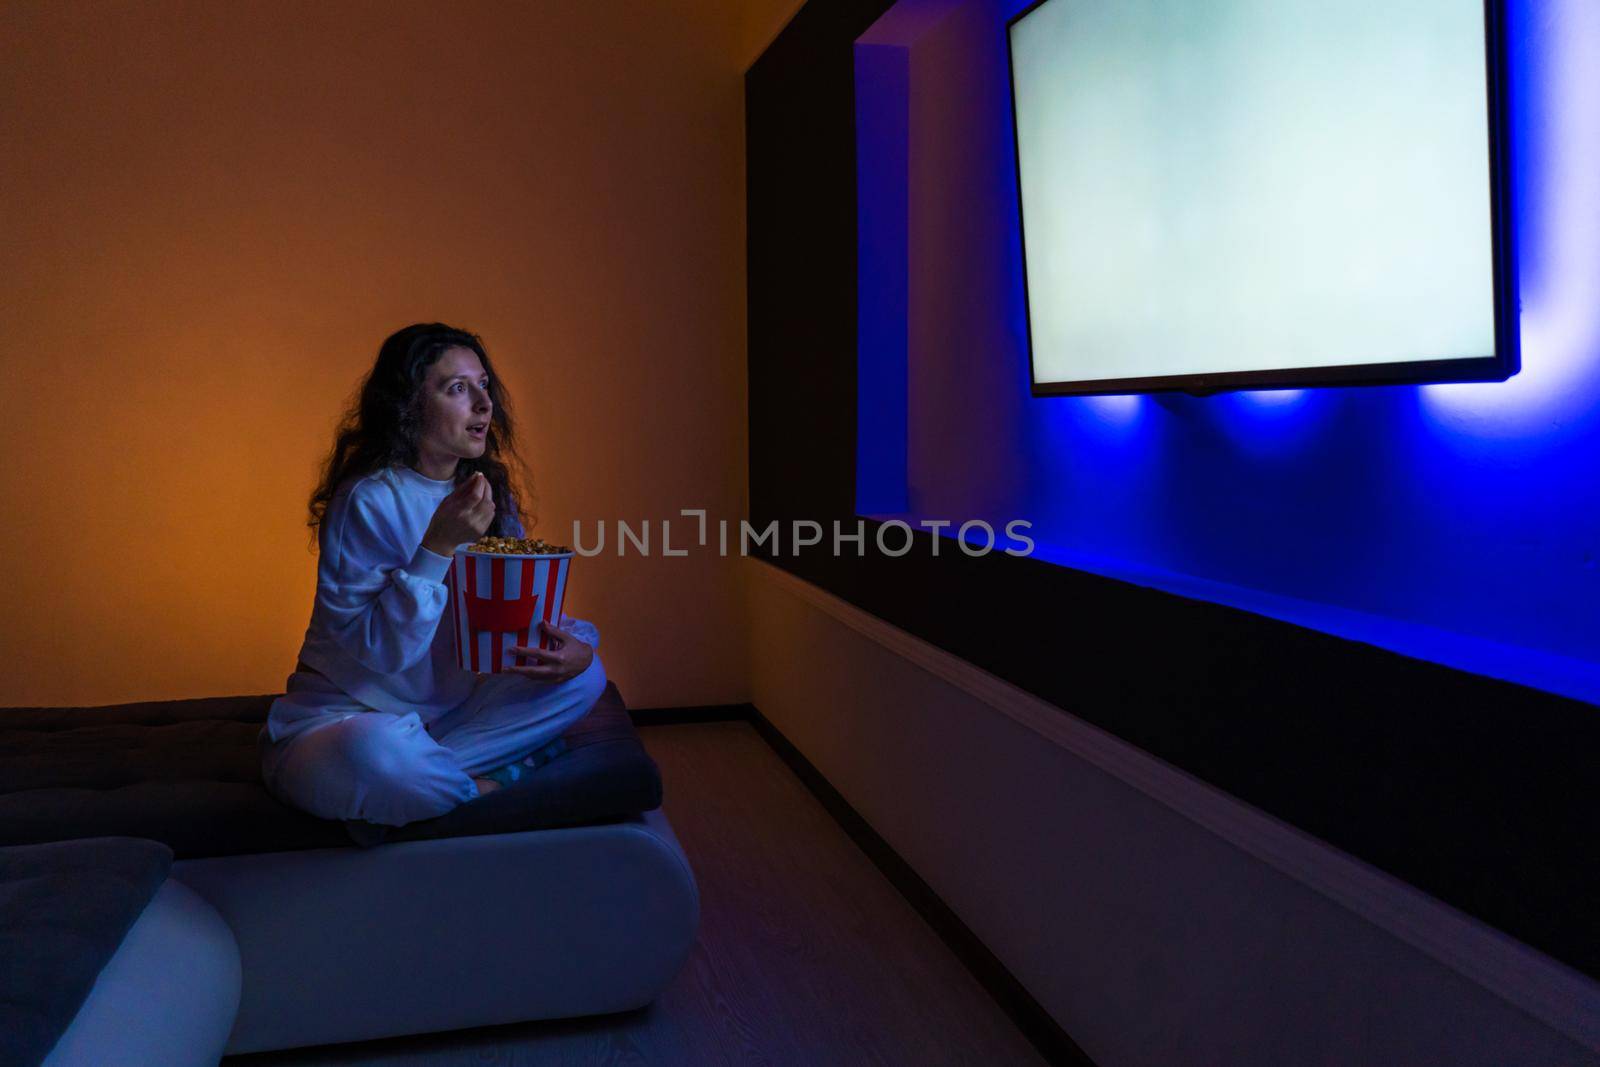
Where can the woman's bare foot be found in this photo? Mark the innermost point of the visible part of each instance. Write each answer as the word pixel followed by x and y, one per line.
pixel 486 785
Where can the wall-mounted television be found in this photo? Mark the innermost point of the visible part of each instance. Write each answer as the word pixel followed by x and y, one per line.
pixel 1242 194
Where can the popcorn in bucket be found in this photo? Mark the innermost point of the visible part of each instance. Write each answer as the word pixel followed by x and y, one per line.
pixel 498 594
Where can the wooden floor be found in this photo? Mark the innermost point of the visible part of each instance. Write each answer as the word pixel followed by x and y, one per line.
pixel 806 954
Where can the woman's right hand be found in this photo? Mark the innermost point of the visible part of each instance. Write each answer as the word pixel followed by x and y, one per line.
pixel 461 517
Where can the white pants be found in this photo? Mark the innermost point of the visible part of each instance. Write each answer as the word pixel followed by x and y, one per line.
pixel 391 769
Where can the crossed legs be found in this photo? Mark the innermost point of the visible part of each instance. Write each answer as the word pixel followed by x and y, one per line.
pixel 391 769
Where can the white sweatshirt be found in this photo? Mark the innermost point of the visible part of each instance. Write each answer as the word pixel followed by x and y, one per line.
pixel 375 638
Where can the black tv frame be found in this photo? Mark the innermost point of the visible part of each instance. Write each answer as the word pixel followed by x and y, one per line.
pixel 1505 362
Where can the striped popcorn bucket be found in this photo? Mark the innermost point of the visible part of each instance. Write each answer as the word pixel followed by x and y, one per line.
pixel 497 600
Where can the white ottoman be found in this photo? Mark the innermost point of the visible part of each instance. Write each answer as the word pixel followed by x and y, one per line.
pixel 350 944
pixel 166 998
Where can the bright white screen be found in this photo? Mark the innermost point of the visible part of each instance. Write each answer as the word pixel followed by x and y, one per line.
pixel 1250 185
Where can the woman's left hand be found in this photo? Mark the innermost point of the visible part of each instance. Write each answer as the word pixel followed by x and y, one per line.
pixel 566 658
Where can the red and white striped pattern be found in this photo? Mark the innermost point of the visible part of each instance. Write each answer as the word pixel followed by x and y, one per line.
pixel 496 576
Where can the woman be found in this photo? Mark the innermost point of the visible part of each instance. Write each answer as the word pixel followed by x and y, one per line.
pixel 378 722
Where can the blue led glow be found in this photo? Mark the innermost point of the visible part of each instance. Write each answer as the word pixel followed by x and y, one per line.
pixel 1455 523
pixel 1272 401
pixel 1557 144
pixel 1110 416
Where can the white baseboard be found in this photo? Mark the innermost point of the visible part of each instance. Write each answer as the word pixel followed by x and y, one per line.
pixel 1555 994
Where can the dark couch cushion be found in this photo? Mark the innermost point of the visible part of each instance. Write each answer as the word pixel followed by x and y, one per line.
pixel 188 773
pixel 64 910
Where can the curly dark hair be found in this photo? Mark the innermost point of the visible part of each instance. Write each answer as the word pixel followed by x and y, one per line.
pixel 383 424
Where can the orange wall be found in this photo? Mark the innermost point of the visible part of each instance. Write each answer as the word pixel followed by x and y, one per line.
pixel 210 216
